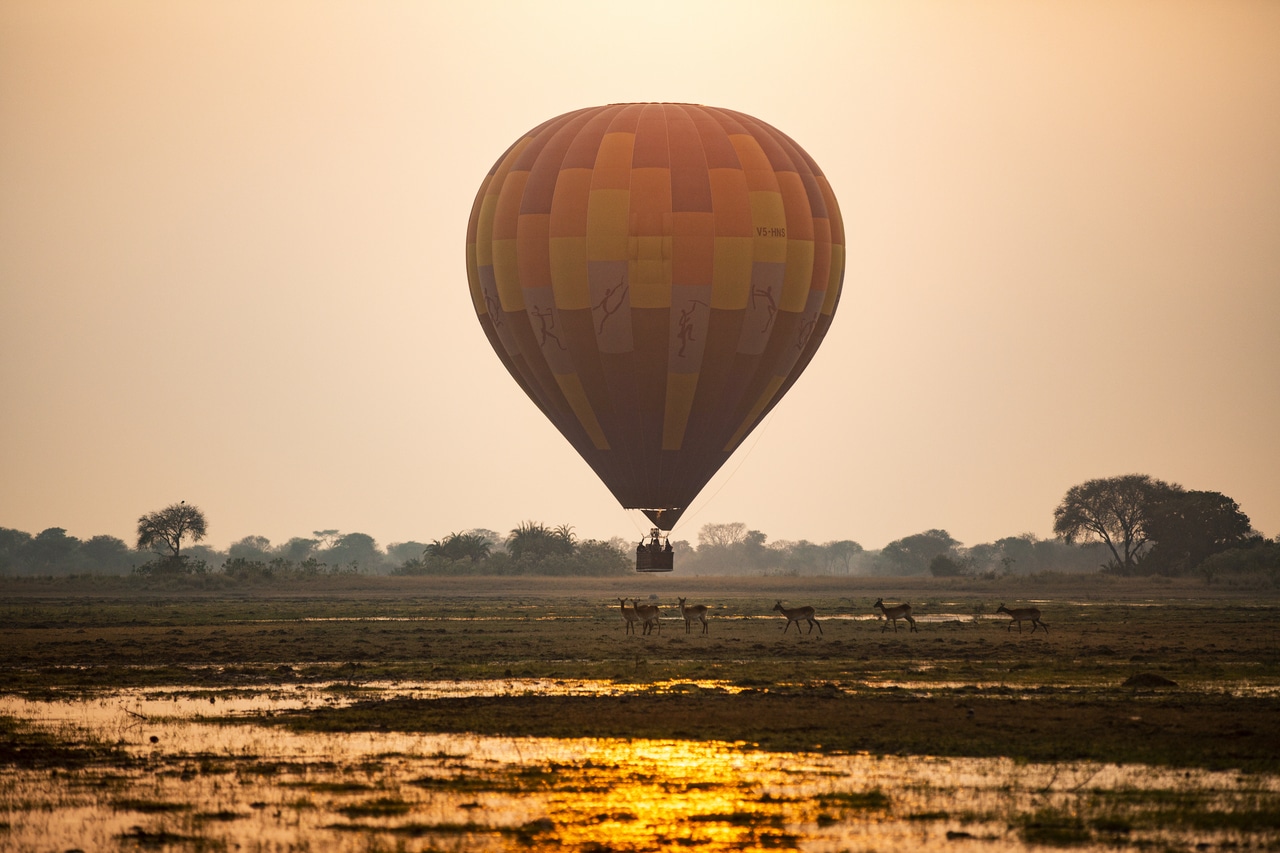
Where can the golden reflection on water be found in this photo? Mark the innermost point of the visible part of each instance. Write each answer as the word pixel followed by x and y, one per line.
pixel 193 782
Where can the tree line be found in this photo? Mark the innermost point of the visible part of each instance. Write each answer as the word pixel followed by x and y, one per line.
pixel 168 543
pixel 1127 525
pixel 734 549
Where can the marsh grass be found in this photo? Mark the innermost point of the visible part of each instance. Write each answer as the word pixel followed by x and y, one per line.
pixel 23 745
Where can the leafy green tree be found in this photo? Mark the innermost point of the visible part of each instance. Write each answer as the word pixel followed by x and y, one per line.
pixel 166 528
pixel 251 548
pixel 204 554
pixel 299 548
pixel 1114 511
pixel 755 554
pixel 912 554
pixel 401 552
pixel 594 557
pixel 1186 528
pixel 52 551
pixel 106 554
pixel 803 557
pixel 842 553
pixel 1019 551
pixel 13 545
pixel 354 549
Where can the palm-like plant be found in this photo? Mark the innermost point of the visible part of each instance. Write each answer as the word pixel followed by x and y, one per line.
pixel 459 546
pixel 535 541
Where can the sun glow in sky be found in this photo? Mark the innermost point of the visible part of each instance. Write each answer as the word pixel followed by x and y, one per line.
pixel 232 259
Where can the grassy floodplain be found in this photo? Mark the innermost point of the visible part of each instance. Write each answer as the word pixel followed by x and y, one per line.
pixel 1172 676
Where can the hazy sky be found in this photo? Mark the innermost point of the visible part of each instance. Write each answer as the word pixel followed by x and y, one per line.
pixel 232 260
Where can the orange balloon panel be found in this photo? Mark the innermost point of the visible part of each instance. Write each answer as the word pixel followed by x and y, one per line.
pixel 655 277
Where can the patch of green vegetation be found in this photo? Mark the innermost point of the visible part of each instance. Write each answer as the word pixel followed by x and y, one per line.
pixel 159 838
pixel 1111 825
pixel 220 816
pixel 412 830
pixel 340 787
pixel 531 832
pixel 381 807
pixel 454 784
pixel 1116 817
pixel 777 840
pixel 149 806
pixel 872 800
pixel 1054 828
pixel 740 818
pixel 1244 811
pixel 24 746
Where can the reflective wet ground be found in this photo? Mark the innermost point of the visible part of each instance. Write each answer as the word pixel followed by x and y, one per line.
pixel 204 769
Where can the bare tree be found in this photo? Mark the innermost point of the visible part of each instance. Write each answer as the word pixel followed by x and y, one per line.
pixel 166 528
pixel 722 535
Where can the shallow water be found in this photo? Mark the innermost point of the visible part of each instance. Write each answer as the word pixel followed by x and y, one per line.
pixel 196 781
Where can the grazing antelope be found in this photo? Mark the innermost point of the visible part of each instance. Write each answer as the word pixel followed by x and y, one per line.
pixel 795 614
pixel 648 614
pixel 898 611
pixel 697 611
pixel 1023 614
pixel 629 614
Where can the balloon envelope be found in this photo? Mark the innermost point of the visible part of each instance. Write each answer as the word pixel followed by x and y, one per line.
pixel 655 277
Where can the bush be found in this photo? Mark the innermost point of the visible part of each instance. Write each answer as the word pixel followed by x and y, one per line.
pixel 1260 561
pixel 943 566
pixel 244 570
pixel 171 566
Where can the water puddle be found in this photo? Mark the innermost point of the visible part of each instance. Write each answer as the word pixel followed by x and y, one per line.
pixel 182 777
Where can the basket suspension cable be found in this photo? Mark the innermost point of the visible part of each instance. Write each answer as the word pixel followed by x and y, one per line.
pixel 701 504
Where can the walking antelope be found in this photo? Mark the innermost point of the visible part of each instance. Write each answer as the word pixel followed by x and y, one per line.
pixel 629 614
pixel 1023 614
pixel 648 614
pixel 697 611
pixel 898 611
pixel 795 614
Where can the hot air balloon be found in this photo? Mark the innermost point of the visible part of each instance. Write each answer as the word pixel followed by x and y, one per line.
pixel 655 277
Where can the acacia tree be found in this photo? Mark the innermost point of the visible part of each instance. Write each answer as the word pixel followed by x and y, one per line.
pixel 166 528
pixel 1115 511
